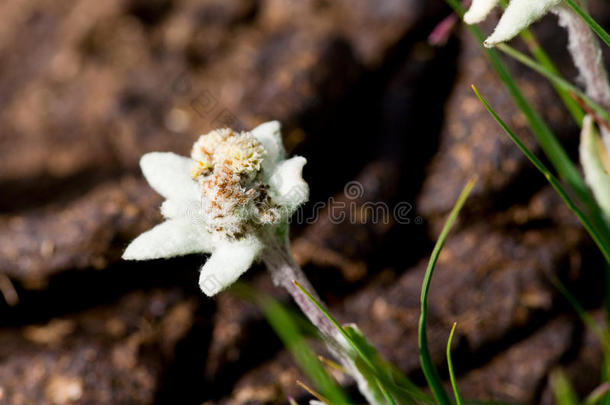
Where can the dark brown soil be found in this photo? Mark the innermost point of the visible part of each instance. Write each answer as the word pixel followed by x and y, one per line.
pixel 87 87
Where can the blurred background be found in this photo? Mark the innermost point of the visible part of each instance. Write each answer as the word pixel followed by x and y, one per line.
pixel 87 87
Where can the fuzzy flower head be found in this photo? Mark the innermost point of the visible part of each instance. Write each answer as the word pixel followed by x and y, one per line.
pixel 518 16
pixel 234 191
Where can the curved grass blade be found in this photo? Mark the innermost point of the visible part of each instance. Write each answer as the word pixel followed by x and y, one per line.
pixel 555 79
pixel 597 394
pixel 386 395
pixel 544 59
pixel 331 364
pixel 456 393
pixel 430 372
pixel 562 389
pixel 604 36
pixel 584 316
pixel 545 137
pixel 287 328
pixel 597 329
pixel 313 392
pixel 591 229
pixel 409 392
pixel 336 324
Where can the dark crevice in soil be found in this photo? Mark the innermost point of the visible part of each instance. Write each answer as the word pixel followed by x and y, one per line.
pixel 466 360
pixel 184 375
pixel 40 191
pixel 98 287
pixel 150 12
pixel 587 290
pixel 377 119
pixel 361 130
pixel 263 345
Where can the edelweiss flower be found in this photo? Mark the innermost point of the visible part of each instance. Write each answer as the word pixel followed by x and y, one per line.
pixel 518 16
pixel 235 192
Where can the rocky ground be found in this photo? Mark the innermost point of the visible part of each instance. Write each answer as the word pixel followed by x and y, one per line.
pixel 87 87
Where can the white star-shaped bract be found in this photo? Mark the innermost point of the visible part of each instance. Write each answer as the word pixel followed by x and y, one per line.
pixel 188 228
pixel 518 16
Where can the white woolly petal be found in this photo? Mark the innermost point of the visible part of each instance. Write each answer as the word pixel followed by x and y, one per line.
pixel 287 184
pixel 519 15
pixel 174 208
pixel 174 237
pixel 595 173
pixel 228 261
pixel 170 175
pixel 270 136
pixel 479 10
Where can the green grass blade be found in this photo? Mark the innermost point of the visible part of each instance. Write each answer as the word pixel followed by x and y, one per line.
pixel 590 22
pixel 591 229
pixel 407 392
pixel 547 140
pixel 545 137
pixel 544 59
pixel 589 322
pixel 555 79
pixel 430 372
pixel 605 377
pixel 580 311
pixel 387 396
pixel 287 328
pixel 314 393
pixel 607 291
pixel 562 389
pixel 490 402
pixel 456 393
pixel 336 324
pixel 597 394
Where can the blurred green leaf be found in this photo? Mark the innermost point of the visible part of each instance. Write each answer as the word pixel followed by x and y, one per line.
pixel 562 389
pixel 370 364
pixel 597 394
pixel 286 326
pixel 430 372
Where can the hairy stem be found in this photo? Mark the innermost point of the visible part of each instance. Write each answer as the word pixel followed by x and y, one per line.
pixel 284 272
pixel 587 56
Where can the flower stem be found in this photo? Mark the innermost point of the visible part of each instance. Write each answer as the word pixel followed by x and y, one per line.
pixel 587 56
pixel 284 272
